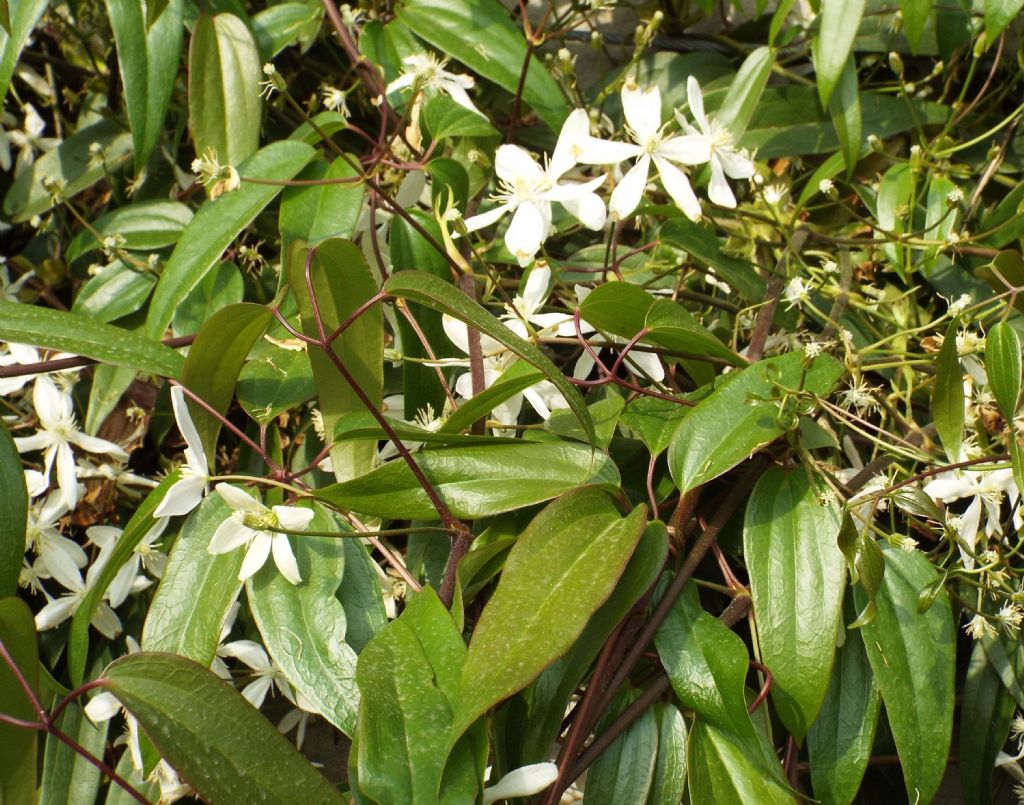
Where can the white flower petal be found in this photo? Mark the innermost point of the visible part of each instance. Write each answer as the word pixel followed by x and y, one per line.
pixel 630 190
pixel 485 219
pixel 188 428
pixel 512 162
pixel 256 691
pixel 53 407
pixel 229 535
pixel 522 782
pixel 285 559
pixel 56 611
pixel 247 651
pixel 718 189
pixel 526 233
pixel 736 164
pixel 595 151
pixel 575 132
pixel 67 479
pixel 688 150
pixel 535 292
pixel 678 186
pixel 239 500
pixel 256 555
pixel 293 516
pixel 693 95
pixel 642 109
pixel 91 444
pixel 183 496
pixel 588 209
pixel 102 707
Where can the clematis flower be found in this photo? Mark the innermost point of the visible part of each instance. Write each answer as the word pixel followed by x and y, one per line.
pixel 267 674
pixel 145 555
pixel 59 558
pixel 642 109
pixel 426 72
pixel 986 490
pixel 251 524
pixel 522 782
pixel 58 610
pixel 190 488
pixel 527 190
pixel 28 140
pixel 716 140
pixel 57 432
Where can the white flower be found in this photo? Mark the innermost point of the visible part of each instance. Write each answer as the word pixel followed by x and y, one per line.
pixel 986 490
pixel 9 290
pixel 254 525
pixel 216 178
pixel 335 99
pixel 28 139
pixel 527 191
pixel 267 674
pixel 144 556
pixel 58 430
pixel 725 158
pixel 59 558
pixel 424 71
pixel 979 627
pixel 1010 616
pixel 187 492
pixel 172 787
pixel 522 782
pixel 58 610
pixel 297 717
pixel 17 354
pixel 642 109
pixel 796 292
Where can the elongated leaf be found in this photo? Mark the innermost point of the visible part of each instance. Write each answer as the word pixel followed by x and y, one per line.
pixel 894 197
pixel 985 715
pixel 948 395
pixel 147 57
pixel 360 595
pixel 444 118
pixel 21 20
pixel 703 245
pixel 579 543
pixel 999 14
pixel 136 528
pixel 624 772
pixel 939 221
pixel 912 656
pixel 409 680
pixel 669 782
pixel 274 382
pixel 429 290
pixel 1003 365
pixel 514 380
pixel 745 91
pixel 144 226
pixel 224 105
pixel 68 778
pixel 223 285
pixel 832 46
pixel 13 514
pixel 652 421
pixel 115 292
pixel 475 481
pixel 445 23
pixel 303 626
pixel 844 107
pixel 17 744
pixel 211 735
pixel 278 26
pixel 841 738
pixel 82 335
pixel 730 424
pixel 720 770
pixel 1006 657
pixel 341 281
pixel 318 212
pixel 196 590
pixel 797 576
pixel 215 360
pixel 217 224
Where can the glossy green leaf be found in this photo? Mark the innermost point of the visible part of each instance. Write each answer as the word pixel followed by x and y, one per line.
pixel 444 118
pixel 147 57
pixel 605 407
pixel 841 738
pixel 303 626
pixel 475 481
pixel 215 360
pixel 317 212
pixel 624 772
pixel 217 224
pixel 735 420
pixel 224 104
pixel 797 576
pixel 514 380
pixel 214 738
pixel 141 522
pixel 73 162
pixel 360 595
pixel 1003 365
pixel 745 91
pixel 865 563
pixel 912 656
pixel 703 246
pixel 948 395
pixel 13 514
pixel 832 46
pixel 720 769
pixel 915 15
pixel 894 199
pixel 223 285
pixel 1006 656
pixel 115 292
pixel 940 219
pixel 278 26
pixel 341 281
pixel 67 777
pixel 408 680
pixel 652 421
pixel 18 745
pixel 670 769
pixel 196 590
pixel 445 24
pixel 580 543
pixel 21 22
pixel 144 226
pixel 844 107
pixel 985 714
pixel 436 293
pixel 449 180
pixel 999 14
pixel 82 335
pixel 274 382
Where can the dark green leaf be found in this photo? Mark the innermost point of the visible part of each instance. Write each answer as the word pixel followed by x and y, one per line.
pixel 12 39
pixel 144 226
pixel 274 382
pixel 1003 365
pixel 702 245
pixel 720 769
pixel 514 380
pixel 1006 656
pixel 985 715
pixel 999 14
pixel 13 514
pixel 745 91
pixel 278 26
pixel 652 421
pixel 832 46
pixel 915 16
pixel 68 778
pixel 670 770
pixel 18 745
pixel 844 107
pixel 624 772
pixel 318 212
pixel 894 199
pixel 117 291
pixel 223 285
pixel 444 118
pixel 948 395
pixel 360 595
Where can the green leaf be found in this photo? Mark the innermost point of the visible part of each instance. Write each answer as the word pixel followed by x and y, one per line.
pixel 444 118
pixel 360 595
pixel 223 285
pixel 408 679
pixel 115 292
pixel 948 395
pixel 703 246
pixel 1006 657
pixel 832 46
pixel 211 735
pixel 915 16
pixel 68 778
pixel 18 745
pixel 894 198
pixel 147 57
pixel 652 421
pixel 436 293
pixel 82 335
pixel 214 361
pixel 278 26
pixel 13 514
pixel 797 576
pixel 274 382
pixel 841 738
pixel 217 224
pixel 196 590
pixel 735 420
pixel 669 782
pixel 318 212
pixel 605 408
pixel 1003 365
pixel 720 769
pixel 844 107
pixel 73 163
pixel 912 656
pixel 12 39
pixel 496 49
pixel 985 714
pixel 303 626
pixel 624 772
pixel 475 481
pixel 579 543
pixel 514 380
pixel 137 527
pixel 745 91
pixel 224 105
pixel 145 226
pixel 5 16
pixel 999 14
pixel 342 281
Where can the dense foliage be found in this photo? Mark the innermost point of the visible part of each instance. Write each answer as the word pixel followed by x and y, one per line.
pixel 437 401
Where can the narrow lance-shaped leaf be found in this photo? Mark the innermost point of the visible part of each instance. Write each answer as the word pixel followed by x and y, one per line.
pixel 721 769
pixel 745 91
pixel 13 514
pixel 832 45
pixel 948 395
pixel 18 745
pixel 624 772
pixel 669 782
pixel 25 15
pixel 915 17
pixel 844 107
pixel 985 714
pixel 1003 366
